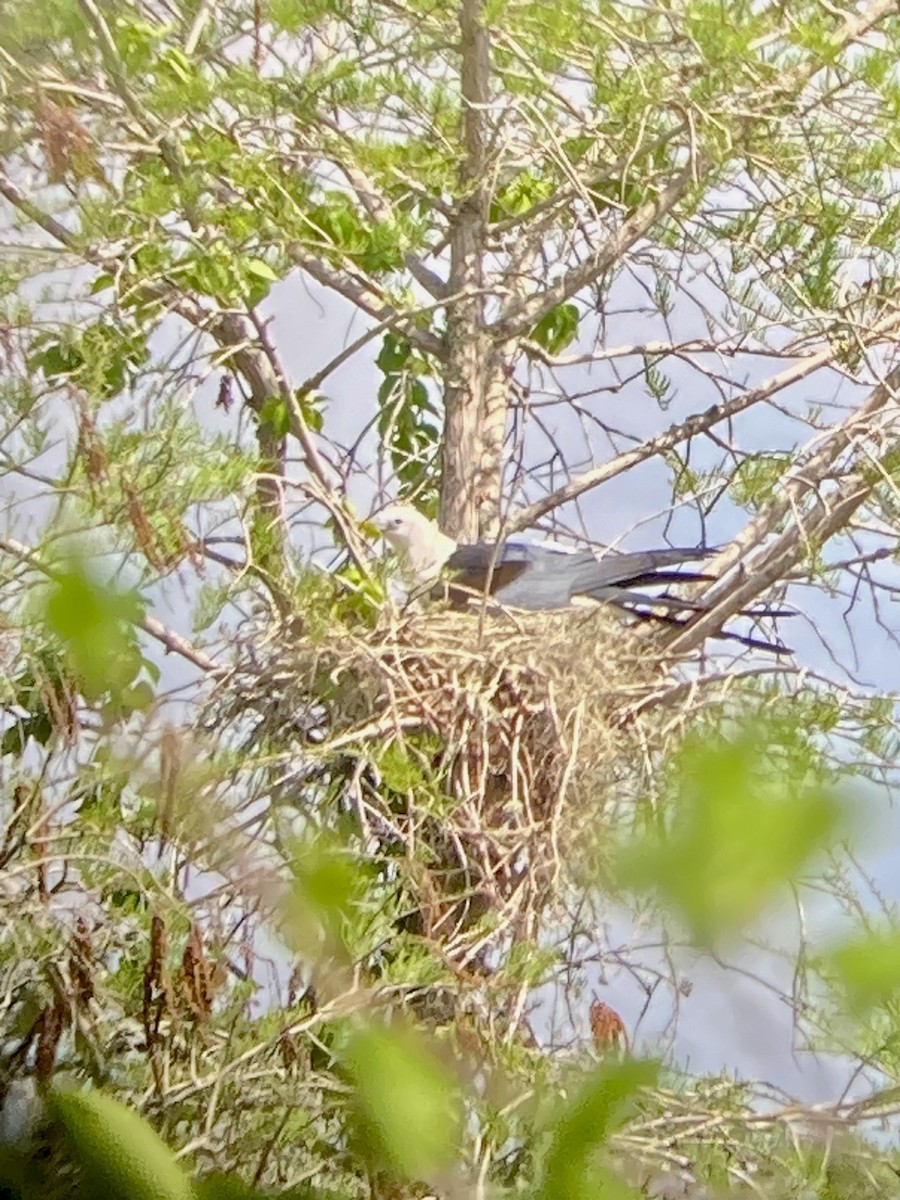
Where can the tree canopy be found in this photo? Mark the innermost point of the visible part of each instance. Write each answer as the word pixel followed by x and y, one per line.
pixel 330 889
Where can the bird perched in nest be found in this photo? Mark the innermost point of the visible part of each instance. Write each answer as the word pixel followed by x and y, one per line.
pixel 527 575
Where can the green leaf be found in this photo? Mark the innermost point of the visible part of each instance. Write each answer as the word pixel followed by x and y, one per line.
pixel 557 329
pixel 394 354
pixel 38 726
pixel 361 598
pixel 122 1157
pixel 139 697
pixel 399 769
pixel 869 969
pixel 605 1102
pixel 260 269
pixel 407 1102
pixel 755 481
pixel 309 407
pixel 96 625
pixel 53 356
pixel 406 411
pixel 102 358
pixel 274 413
pixel 746 816
pixel 521 193
pixel 327 884
pixel 180 66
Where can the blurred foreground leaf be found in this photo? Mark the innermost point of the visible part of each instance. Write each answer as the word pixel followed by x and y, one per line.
pixel 869 969
pixel 606 1101
pixel 121 1157
pixel 96 624
pixel 407 1102
pixel 327 881
pixel 746 816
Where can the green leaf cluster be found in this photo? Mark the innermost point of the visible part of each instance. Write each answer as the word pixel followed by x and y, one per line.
pixel 746 814
pixel 407 417
pixel 97 626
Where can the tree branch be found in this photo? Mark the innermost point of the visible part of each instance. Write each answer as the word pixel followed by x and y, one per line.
pixel 695 424
pixel 817 517
pixel 367 296
pixel 380 209
pixel 173 642
pixel 315 463
pixel 254 358
pixel 177 644
pixel 36 214
pixel 520 316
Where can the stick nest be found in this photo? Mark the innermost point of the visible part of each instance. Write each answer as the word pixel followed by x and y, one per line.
pixel 476 748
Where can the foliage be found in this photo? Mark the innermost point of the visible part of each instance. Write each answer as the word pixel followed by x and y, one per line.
pixel 304 894
pixel 745 814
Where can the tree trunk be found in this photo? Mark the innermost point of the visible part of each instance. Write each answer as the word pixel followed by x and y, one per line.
pixel 470 494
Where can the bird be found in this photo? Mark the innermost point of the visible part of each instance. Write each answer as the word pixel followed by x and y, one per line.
pixel 527 575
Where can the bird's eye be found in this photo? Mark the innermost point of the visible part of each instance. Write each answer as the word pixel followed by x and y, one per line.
pixel 397 521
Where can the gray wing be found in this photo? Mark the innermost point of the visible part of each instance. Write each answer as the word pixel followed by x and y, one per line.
pixel 516 573
pixel 616 574
pixel 533 577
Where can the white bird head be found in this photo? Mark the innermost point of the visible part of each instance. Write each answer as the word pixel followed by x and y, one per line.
pixel 416 539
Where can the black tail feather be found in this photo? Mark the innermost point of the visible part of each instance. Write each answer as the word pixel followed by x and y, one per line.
pixel 730 635
pixel 698 606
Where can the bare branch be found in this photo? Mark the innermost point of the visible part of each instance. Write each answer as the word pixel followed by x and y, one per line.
pixel 817 516
pixel 642 350
pixel 204 12
pixel 172 641
pixel 115 67
pixel 522 316
pixel 36 214
pixel 177 644
pixel 366 295
pixel 695 424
